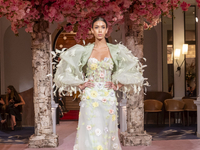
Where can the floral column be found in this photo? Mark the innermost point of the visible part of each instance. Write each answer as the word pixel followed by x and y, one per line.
pixel 135 134
pixel 43 136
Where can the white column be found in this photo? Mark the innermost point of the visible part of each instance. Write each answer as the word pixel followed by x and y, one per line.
pixel 122 114
pixel 53 109
pixel 178 35
pixel 122 102
pixel 53 104
pixel 198 116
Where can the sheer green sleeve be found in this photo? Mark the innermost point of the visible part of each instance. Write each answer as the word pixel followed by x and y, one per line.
pixel 69 74
pixel 129 71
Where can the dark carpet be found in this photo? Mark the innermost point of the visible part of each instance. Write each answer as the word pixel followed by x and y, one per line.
pixel 175 132
pixel 19 136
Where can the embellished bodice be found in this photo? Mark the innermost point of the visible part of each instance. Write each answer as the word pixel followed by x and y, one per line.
pixel 99 71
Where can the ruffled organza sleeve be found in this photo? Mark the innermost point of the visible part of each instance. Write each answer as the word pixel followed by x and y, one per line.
pixel 68 73
pixel 129 71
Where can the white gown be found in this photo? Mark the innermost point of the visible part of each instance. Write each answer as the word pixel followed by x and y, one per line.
pixel 98 127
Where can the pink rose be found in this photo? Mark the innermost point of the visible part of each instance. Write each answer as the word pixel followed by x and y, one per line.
pixel 111 111
pixel 29 28
pixel 114 19
pixel 184 6
pixel 113 138
pixel 101 75
pixel 133 16
pixel 68 28
pixel 104 100
pixel 52 12
pixel 146 26
pixel 89 127
pixel 156 12
pixel 127 3
pixel 60 18
pixel 116 8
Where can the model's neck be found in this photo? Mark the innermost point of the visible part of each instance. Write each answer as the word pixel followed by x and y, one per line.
pixel 100 43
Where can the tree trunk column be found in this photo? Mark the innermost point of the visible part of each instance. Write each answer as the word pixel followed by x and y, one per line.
pixel 43 136
pixel 135 134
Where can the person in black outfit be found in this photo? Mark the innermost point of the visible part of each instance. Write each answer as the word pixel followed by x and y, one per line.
pixel 14 103
pixel 2 110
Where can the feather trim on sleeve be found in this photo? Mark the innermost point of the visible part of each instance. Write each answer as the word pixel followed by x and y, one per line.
pixel 129 71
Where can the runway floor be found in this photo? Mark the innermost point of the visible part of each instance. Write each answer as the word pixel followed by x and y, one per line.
pixel 67 131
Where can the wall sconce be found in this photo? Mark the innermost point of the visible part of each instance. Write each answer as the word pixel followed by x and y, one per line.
pixel 197 19
pixel 177 55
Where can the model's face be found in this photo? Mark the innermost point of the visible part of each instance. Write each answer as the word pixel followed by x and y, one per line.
pixel 8 91
pixel 99 30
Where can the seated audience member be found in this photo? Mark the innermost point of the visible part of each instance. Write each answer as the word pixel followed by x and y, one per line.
pixel 2 120
pixel 14 103
pixel 2 105
pixel 2 110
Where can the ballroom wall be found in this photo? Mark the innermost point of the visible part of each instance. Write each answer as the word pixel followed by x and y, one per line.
pixel 151 54
pixel 17 60
pixel 16 68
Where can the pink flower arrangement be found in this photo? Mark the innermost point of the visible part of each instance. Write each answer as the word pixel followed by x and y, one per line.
pixel 23 13
pixel 198 3
pixel 184 6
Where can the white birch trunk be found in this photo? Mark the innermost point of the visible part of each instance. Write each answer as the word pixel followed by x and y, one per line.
pixel 135 134
pixel 43 136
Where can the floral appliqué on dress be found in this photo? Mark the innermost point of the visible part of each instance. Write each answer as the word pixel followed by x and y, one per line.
pixel 98 127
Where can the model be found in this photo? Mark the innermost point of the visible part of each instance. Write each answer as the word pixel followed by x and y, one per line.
pixel 97 71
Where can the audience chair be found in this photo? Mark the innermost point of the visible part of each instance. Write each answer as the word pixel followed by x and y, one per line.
pixel 152 106
pixel 176 106
pixel 189 107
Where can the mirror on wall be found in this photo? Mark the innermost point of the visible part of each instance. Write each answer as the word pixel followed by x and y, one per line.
pixel 168 69
pixel 190 58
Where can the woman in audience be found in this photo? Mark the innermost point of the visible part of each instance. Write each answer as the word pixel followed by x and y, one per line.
pixel 2 110
pixel 2 121
pixel 14 103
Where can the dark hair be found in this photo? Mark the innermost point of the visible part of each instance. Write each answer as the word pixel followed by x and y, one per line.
pixel 99 19
pixel 14 94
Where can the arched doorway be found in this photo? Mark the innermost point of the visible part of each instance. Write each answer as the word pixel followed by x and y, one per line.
pixel 71 103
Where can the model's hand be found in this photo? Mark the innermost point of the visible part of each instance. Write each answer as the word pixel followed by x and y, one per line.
pixel 110 85
pixel 88 84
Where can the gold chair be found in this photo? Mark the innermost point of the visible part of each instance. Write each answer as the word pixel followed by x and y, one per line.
pixel 189 107
pixel 172 105
pixel 152 106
